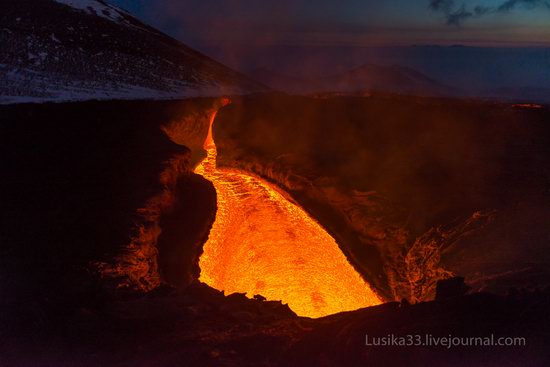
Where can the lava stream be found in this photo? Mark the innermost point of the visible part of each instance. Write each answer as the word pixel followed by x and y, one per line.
pixel 262 243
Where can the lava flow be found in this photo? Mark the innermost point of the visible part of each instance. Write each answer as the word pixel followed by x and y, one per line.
pixel 262 243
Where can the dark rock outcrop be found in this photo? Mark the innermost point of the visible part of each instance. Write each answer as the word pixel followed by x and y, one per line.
pixel 185 229
pixel 81 182
pixel 451 287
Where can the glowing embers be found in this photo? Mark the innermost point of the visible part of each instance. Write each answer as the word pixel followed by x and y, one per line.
pixel 261 243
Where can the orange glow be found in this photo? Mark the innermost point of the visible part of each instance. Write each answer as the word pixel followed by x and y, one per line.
pixel 262 243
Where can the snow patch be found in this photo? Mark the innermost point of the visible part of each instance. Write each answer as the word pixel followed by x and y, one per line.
pixel 123 92
pixel 99 8
pixel 30 86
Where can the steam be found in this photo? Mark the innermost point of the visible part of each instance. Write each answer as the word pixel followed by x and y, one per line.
pixel 456 14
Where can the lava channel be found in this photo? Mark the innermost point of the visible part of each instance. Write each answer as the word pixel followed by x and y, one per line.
pixel 262 243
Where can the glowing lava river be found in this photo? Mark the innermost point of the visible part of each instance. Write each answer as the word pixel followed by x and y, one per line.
pixel 262 243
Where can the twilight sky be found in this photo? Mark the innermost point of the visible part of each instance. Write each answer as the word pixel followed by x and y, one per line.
pixel 325 37
pixel 209 23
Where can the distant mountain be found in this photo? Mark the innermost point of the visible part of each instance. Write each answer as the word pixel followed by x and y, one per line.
pixel 52 50
pixel 386 78
pixel 517 94
pixel 367 78
pixel 286 83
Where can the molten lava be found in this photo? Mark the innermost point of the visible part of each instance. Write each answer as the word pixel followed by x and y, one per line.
pixel 262 243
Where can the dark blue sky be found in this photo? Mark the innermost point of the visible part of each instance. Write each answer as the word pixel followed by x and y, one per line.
pixel 207 23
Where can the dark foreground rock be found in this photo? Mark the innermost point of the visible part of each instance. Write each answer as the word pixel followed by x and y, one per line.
pixel 201 327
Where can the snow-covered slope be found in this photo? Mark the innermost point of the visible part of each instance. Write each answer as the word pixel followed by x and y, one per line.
pixel 58 50
pixel 99 8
